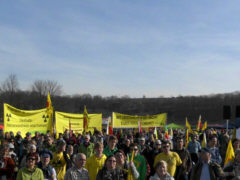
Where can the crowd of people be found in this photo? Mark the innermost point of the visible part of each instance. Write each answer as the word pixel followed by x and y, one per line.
pixel 124 155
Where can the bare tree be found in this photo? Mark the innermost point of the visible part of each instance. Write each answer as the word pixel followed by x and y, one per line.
pixel 10 85
pixel 42 87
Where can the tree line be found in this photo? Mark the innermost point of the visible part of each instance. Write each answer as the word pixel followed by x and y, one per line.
pixel 210 107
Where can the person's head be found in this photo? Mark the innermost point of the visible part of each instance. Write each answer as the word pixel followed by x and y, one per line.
pixel 110 162
pixel 46 156
pixel 28 136
pixel 70 149
pixel 166 146
pixel 142 141
pixel 127 142
pixel 80 160
pixel 237 156
pixel 180 143
pixel 86 139
pixel 161 168
pixel 98 148
pixel 4 151
pixel 31 159
pixel 236 144
pixel 205 155
pixel 120 156
pixel 112 141
pixel 134 147
pixel 49 140
pixel 32 148
pixel 212 141
pixel 158 144
pixel 61 146
pixel 194 137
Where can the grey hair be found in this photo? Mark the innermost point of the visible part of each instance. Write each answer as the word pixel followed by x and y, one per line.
pixel 78 156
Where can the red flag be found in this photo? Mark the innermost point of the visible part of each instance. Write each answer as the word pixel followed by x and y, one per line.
pixel 139 126
pixel 110 129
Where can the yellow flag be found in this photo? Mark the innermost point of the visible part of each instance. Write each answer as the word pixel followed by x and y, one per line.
pixel 204 126
pixel 188 126
pixel 234 134
pixel 230 153
pixel 130 175
pixel 204 141
pixel 187 139
pixel 156 133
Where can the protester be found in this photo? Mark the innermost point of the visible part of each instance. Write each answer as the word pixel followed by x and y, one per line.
pixel 96 161
pixel 111 147
pixel 78 171
pixel 49 172
pixel 110 172
pixel 161 172
pixel 233 167
pixel 184 170
pixel 60 160
pixel 139 161
pixel 212 146
pixel 30 172
pixel 205 169
pixel 7 164
pixel 194 147
pixel 86 147
pixel 125 165
pixel 172 158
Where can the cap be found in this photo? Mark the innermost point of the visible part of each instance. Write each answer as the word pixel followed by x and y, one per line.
pixel 142 139
pixel 46 153
pixel 205 150
pixel 28 134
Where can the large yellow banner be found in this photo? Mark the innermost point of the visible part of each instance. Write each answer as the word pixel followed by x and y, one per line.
pixel 128 121
pixel 76 122
pixel 26 120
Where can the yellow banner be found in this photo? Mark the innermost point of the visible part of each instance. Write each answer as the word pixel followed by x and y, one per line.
pixel 26 121
pixel 128 121
pixel 63 119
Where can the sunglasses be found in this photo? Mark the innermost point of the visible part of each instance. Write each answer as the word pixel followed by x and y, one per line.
pixel 166 146
pixel 111 161
pixel 32 159
pixel 135 149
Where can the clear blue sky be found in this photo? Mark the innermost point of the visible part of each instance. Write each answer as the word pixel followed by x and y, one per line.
pixel 123 47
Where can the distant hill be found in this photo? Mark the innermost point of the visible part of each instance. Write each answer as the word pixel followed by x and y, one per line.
pixel 178 108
